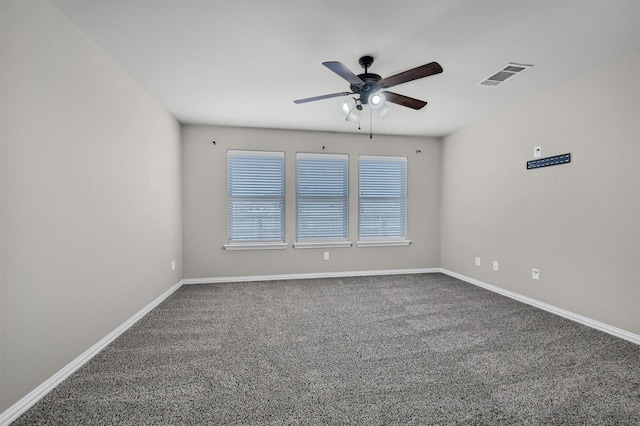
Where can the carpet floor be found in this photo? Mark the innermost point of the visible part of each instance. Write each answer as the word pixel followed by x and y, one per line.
pixel 408 349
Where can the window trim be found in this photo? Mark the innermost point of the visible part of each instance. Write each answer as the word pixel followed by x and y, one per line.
pixel 258 244
pixel 255 246
pixel 322 244
pixel 394 241
pixel 330 242
pixel 383 243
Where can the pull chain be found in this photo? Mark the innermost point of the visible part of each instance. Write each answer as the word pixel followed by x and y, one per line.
pixel 370 123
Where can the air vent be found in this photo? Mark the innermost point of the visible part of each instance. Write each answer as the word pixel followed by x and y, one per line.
pixel 503 74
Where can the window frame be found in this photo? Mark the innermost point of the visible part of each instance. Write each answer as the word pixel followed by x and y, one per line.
pixel 305 241
pixel 384 241
pixel 280 197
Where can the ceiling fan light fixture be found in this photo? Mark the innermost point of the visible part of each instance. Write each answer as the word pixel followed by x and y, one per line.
pixel 346 105
pixel 376 100
pixel 383 111
pixel 349 109
pixel 378 103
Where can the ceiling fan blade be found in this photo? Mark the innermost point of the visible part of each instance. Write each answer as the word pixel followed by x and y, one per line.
pixel 317 98
pixel 343 72
pixel 412 74
pixel 404 100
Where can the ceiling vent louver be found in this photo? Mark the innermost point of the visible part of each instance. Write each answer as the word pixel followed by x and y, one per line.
pixel 503 74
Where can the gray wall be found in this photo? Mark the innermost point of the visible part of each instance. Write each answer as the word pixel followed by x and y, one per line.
pixel 90 193
pixel 578 223
pixel 205 203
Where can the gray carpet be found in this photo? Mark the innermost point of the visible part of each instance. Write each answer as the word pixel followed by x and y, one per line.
pixel 412 349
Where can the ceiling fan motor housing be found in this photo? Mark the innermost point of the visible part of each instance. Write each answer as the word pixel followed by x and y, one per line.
pixel 370 86
pixel 370 81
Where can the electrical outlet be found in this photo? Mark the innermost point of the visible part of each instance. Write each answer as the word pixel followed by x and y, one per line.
pixel 326 255
pixel 477 261
pixel 537 152
pixel 496 265
pixel 535 274
pixel 173 265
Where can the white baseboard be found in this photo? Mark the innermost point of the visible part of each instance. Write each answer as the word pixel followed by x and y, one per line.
pixel 308 276
pixel 47 386
pixel 614 331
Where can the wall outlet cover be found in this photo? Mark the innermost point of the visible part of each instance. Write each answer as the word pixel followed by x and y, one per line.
pixel 478 261
pixel 496 265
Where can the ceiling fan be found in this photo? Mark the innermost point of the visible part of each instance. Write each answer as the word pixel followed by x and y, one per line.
pixel 371 87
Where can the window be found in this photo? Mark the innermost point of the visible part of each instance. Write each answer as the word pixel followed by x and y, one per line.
pixel 255 200
pixel 382 201
pixel 322 202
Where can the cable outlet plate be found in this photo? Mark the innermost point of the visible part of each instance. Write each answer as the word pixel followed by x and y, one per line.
pixel 496 265
pixel 535 274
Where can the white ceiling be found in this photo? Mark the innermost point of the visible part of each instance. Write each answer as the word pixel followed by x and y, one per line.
pixel 243 62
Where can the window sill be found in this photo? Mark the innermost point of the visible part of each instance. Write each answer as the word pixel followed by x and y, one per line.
pixel 322 244
pixel 256 246
pixel 383 243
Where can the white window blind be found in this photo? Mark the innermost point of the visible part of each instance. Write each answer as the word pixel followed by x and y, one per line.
pixel 322 190
pixel 255 191
pixel 383 198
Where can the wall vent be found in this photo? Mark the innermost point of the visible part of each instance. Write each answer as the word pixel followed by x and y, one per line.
pixel 503 74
